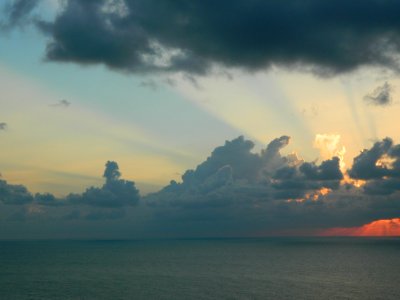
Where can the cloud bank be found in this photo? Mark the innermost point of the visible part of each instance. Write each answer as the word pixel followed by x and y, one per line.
pixel 234 192
pixel 107 201
pixel 147 36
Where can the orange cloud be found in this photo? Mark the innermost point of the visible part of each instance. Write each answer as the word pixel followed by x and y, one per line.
pixel 377 228
pixel 313 196
pixel 355 182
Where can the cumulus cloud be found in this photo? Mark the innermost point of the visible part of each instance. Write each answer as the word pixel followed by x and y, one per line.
pixel 329 145
pixel 366 166
pixel 233 173
pixel 115 192
pixel 277 193
pixel 379 167
pixel 381 96
pixel 326 37
pixel 234 191
pixel 47 199
pixel 14 194
pixel 328 170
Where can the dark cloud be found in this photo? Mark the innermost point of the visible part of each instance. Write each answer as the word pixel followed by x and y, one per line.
pixel 47 199
pixel 277 193
pixel 235 191
pixel 381 96
pixel 115 192
pixel 14 194
pixel 234 174
pixel 3 126
pixel 326 37
pixel 236 154
pixel 365 166
pixel 111 172
pixel 296 182
pixel 379 167
pixel 328 170
pixel 112 214
pixel 18 13
pixel 273 148
pixel 73 215
pixel 382 186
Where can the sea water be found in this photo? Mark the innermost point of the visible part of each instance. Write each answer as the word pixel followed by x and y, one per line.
pixel 265 268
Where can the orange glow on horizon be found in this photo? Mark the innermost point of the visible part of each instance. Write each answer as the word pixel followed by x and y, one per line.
pixel 376 228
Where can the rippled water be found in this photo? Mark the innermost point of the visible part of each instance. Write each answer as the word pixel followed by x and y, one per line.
pixel 270 268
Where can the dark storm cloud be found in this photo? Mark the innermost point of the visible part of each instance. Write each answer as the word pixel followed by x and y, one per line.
pixel 380 167
pixel 295 183
pixel 381 96
pixel 248 210
pixel 14 194
pixel 326 37
pixel 235 191
pixel 115 192
pixel 382 186
pixel 47 199
pixel 3 126
pixel 277 193
pixel 365 166
pixel 234 174
pixel 328 170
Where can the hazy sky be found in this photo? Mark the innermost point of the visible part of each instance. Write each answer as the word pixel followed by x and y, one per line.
pixel 157 85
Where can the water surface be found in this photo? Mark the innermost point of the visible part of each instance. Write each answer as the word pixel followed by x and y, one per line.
pixel 267 268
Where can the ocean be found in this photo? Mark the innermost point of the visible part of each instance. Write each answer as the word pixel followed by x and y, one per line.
pixel 259 268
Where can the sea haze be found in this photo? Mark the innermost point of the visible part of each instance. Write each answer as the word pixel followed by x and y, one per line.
pixel 262 268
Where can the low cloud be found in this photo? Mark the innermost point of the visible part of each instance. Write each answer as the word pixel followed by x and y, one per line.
pixel 366 166
pixel 277 193
pixel 381 96
pixel 14 194
pixel 115 192
pixel 235 183
pixel 105 215
pixel 234 191
pixel 379 167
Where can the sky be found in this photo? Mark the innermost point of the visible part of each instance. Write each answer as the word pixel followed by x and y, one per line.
pixel 143 118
